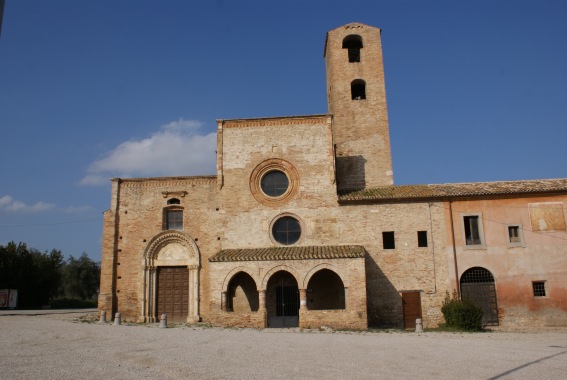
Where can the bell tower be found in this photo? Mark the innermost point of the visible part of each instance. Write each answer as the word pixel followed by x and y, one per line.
pixel 356 96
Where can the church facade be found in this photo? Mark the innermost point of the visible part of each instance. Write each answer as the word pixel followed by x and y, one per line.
pixel 302 226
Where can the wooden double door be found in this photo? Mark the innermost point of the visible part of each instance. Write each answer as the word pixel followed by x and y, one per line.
pixel 173 293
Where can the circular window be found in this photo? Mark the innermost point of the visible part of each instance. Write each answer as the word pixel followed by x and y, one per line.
pixel 274 183
pixel 286 230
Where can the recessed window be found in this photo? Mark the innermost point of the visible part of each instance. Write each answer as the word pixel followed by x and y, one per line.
pixel 353 43
pixel 358 89
pixel 422 238
pixel 174 220
pixel 472 231
pixel 515 235
pixel 286 230
pixel 274 183
pixel 388 240
pixel 173 201
pixel 539 288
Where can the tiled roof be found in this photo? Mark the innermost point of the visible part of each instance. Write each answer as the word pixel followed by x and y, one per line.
pixel 454 190
pixel 290 253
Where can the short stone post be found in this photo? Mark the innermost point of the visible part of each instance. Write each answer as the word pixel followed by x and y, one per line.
pixel 418 325
pixel 163 321
pixel 117 321
pixel 102 316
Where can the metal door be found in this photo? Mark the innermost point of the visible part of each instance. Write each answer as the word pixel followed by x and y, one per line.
pixel 287 301
pixel 283 300
pixel 173 293
pixel 477 284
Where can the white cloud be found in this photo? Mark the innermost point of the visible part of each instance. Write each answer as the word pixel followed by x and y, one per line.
pixel 177 149
pixel 7 203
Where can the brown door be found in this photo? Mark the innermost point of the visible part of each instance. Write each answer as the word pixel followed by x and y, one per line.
pixel 412 308
pixel 173 293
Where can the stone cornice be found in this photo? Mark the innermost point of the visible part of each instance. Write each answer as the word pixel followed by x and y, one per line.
pixel 168 182
pixel 276 121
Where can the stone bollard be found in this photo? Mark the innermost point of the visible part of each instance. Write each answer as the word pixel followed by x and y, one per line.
pixel 418 325
pixel 102 316
pixel 163 321
pixel 117 321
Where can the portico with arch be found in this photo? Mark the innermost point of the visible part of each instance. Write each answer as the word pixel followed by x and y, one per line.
pixel 307 293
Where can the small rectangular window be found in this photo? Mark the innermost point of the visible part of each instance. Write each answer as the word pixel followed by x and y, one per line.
pixel 174 220
pixel 539 288
pixel 388 240
pixel 422 238
pixel 515 235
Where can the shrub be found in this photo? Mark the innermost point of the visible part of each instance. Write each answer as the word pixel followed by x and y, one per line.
pixel 462 313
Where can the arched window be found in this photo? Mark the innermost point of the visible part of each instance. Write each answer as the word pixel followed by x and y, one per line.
pixel 173 201
pixel 358 89
pixel 353 43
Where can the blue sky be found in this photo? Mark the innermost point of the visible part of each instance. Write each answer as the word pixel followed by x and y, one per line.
pixel 90 90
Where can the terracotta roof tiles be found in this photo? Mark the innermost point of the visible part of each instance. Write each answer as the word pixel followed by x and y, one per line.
pixel 290 253
pixel 454 190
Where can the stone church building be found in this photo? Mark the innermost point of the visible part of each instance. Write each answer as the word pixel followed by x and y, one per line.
pixel 302 225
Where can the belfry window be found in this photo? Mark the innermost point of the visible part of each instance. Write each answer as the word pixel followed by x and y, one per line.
pixel 358 89
pixel 353 43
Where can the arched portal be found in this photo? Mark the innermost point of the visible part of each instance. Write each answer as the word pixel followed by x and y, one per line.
pixel 325 291
pixel 282 300
pixel 242 295
pixel 478 285
pixel 171 278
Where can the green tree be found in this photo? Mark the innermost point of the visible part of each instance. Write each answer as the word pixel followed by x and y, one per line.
pixel 36 275
pixel 81 277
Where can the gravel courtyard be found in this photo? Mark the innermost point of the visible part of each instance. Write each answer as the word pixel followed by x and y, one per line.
pixel 59 346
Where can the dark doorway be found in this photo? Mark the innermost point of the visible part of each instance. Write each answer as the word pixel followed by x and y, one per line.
pixel 411 302
pixel 242 294
pixel 477 284
pixel 173 293
pixel 325 291
pixel 283 300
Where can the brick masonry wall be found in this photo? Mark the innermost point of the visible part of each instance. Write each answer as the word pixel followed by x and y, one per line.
pixel 351 272
pixel 140 211
pixel 360 127
pixel 336 319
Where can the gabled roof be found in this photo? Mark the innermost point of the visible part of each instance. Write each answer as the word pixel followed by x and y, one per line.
pixel 454 190
pixel 290 253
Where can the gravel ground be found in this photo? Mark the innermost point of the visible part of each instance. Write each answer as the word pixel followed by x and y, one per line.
pixel 67 346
